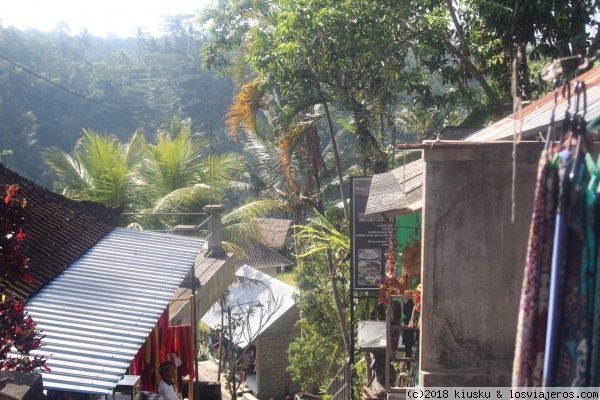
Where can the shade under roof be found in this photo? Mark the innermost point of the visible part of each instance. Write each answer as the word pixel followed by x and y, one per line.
pixel 97 314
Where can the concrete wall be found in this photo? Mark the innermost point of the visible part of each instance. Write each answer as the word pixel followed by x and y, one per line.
pixel 473 260
pixel 271 349
pixel 272 271
pixel 215 275
pixel 21 386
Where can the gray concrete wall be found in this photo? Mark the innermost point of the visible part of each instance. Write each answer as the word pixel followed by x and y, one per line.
pixel 473 260
pixel 271 349
pixel 215 275
pixel 21 386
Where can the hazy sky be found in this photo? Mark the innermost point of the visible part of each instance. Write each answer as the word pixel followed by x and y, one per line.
pixel 100 16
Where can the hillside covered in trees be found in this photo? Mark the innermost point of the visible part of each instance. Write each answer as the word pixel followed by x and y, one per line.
pixel 53 85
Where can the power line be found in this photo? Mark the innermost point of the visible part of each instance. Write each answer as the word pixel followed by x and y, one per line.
pixel 80 95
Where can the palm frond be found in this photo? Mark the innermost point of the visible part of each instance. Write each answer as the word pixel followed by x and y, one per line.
pixel 249 211
pixel 244 108
pixel 220 169
pixel 265 12
pixel 320 235
pixel 239 234
pixel 136 149
pixel 184 199
pixel 72 180
pixel 238 66
pixel 261 159
pixel 171 164
pixel 98 153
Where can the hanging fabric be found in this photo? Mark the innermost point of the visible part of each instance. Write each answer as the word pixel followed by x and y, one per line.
pixel 533 315
pixel 182 346
pixel 557 268
pixel 572 349
pixel 558 330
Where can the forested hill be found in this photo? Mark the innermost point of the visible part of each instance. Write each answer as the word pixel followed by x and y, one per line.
pixel 54 85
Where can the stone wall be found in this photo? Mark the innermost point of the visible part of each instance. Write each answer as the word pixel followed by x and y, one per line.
pixel 473 260
pixel 21 386
pixel 273 380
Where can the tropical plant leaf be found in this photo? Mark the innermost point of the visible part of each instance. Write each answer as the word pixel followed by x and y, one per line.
pixel 244 108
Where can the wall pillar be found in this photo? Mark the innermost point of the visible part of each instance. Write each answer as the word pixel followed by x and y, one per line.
pixel 473 260
pixel 215 238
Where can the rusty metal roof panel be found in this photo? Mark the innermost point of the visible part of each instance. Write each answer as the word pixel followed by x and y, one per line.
pixel 536 116
pixel 99 311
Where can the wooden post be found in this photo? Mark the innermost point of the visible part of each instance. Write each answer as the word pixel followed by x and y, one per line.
pixel 191 385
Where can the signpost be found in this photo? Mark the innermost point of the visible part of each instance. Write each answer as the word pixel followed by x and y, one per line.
pixel 369 239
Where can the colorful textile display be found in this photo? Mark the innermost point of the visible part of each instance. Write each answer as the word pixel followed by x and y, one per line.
pixel 165 342
pixel 558 331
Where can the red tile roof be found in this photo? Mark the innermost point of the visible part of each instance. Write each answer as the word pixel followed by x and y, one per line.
pixel 58 231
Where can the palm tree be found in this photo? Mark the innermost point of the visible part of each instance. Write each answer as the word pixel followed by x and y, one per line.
pixel 176 177
pixel 85 39
pixel 101 169
pixel 170 176
pixel 320 236
pixel 239 228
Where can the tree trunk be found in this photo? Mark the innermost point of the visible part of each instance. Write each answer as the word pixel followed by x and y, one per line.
pixel 523 71
pixel 338 168
pixel 497 107
pixel 336 295
pixel 338 305
pixel 466 61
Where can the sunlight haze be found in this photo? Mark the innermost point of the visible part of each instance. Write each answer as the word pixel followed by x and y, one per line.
pixel 101 17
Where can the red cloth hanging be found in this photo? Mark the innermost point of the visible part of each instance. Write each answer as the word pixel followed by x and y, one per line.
pixel 142 364
pixel 163 324
pixel 182 345
pixel 159 343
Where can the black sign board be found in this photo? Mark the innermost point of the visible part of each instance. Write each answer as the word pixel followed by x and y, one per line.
pixel 369 239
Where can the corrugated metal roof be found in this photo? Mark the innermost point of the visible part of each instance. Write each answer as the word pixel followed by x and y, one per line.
pixel 405 194
pixel 536 116
pixel 99 311
pixel 274 295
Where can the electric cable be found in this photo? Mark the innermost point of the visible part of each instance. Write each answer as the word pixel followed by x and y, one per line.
pixel 80 95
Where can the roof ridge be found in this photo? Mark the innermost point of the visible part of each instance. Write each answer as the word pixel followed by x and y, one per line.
pixel 59 231
pixel 109 215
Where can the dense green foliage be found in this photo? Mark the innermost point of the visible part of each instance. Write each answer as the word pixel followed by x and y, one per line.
pixel 148 80
pixel 313 69
pixel 320 87
pixel 310 364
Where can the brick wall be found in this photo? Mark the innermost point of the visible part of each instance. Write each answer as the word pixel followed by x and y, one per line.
pixel 273 380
